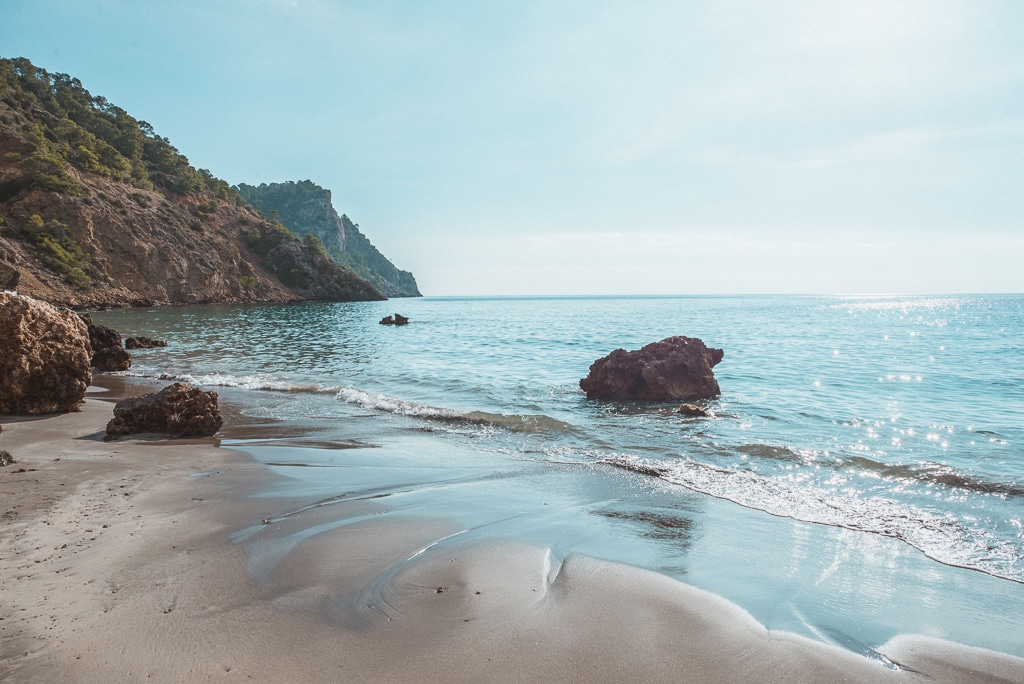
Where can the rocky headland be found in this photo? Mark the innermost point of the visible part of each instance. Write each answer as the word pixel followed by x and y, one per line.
pixel 305 208
pixel 96 209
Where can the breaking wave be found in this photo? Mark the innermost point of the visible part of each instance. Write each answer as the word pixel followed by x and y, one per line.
pixel 941 536
pixel 376 402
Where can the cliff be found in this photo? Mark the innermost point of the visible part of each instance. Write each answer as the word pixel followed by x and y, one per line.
pixel 306 208
pixel 96 209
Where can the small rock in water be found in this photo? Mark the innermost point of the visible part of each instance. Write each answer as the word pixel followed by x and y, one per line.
pixel 143 342
pixel 692 410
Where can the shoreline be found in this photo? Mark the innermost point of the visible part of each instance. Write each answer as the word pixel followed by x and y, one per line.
pixel 149 558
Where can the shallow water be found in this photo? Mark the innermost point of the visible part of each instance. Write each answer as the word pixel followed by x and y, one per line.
pixel 862 473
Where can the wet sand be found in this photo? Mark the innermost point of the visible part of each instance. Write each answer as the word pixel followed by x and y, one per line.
pixel 120 562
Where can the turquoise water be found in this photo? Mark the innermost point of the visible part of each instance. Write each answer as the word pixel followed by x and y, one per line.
pixel 861 475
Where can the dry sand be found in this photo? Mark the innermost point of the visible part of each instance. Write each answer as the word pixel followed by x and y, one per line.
pixel 118 563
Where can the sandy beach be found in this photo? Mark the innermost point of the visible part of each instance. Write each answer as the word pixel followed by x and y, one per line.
pixel 121 561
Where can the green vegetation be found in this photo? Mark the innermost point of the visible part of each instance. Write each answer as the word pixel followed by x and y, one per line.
pixel 313 242
pixel 66 126
pixel 58 250
pixel 268 235
pixel 57 138
pixel 282 252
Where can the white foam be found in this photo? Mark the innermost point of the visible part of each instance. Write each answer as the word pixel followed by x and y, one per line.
pixel 941 536
pixel 381 402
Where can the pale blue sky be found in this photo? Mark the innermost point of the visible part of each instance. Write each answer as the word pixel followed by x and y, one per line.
pixel 597 147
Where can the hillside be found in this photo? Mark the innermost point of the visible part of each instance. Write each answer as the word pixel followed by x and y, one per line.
pixel 305 207
pixel 97 209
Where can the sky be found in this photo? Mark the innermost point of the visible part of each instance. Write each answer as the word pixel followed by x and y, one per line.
pixel 589 147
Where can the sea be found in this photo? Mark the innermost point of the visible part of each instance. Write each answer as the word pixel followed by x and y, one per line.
pixel 860 476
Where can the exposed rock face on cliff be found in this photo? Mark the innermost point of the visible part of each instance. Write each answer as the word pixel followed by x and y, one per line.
pixel 674 369
pixel 10 275
pixel 305 207
pixel 157 251
pixel 44 357
pixel 96 209
pixel 178 410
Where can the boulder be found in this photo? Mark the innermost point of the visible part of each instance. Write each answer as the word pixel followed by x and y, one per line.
pixel 397 319
pixel 111 359
pixel 108 354
pixel 44 357
pixel 178 410
pixel 5 458
pixel 674 369
pixel 143 342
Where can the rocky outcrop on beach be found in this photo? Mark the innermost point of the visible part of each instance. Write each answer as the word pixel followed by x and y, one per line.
pixel 44 357
pixel 107 353
pixel 143 342
pixel 306 208
pixel 96 209
pixel 674 369
pixel 178 410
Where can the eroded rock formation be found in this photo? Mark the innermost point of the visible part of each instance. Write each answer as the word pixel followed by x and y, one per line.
pixel 674 369
pixel 178 410
pixel 44 357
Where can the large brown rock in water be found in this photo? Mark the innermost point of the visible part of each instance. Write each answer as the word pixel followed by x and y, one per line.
pixel 674 369
pixel 107 352
pixel 44 357
pixel 179 410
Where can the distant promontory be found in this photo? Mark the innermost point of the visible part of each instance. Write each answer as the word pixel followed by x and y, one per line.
pixel 305 208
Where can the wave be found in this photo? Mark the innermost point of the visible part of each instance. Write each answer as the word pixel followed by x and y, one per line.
pixel 259 381
pixel 927 472
pixel 513 422
pixel 378 402
pixel 940 474
pixel 941 536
